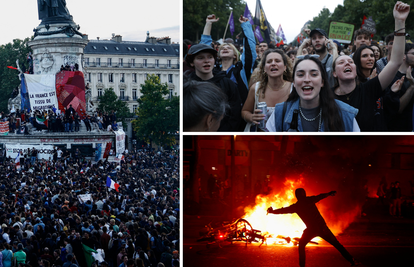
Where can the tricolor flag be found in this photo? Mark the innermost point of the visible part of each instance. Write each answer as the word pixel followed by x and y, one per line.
pixel 281 34
pixel 111 184
pixel 25 104
pixel 42 123
pixel 17 161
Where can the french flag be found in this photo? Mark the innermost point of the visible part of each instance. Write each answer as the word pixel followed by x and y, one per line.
pixel 17 161
pixel 111 184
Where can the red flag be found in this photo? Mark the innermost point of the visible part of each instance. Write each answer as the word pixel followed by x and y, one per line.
pixel 363 20
pixel 13 68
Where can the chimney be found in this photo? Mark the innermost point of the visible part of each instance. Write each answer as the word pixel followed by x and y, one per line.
pixel 116 38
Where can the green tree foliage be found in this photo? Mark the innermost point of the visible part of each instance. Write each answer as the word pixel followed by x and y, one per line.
pixel 353 12
pixel 9 79
pixel 158 117
pixel 109 102
pixel 196 11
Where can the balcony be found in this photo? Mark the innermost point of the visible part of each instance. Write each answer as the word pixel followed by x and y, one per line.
pixel 132 65
pixel 124 98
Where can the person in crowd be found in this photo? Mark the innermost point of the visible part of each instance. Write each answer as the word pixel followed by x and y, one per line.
pixel 313 102
pixel 377 51
pixel 237 68
pixel 204 106
pixel 325 48
pixel 273 86
pixel 202 58
pixel 315 224
pixel 364 96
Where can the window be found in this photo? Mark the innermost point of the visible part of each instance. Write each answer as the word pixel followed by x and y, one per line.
pixel 159 76
pixel 122 94
pixel 165 50
pixel 157 63
pixel 99 92
pixel 99 77
pixel 122 76
pixel 98 61
pixel 94 47
pixel 134 108
pixel 134 94
pixel 88 77
pixel 133 62
pixel 109 61
pixel 144 63
pixel 171 93
pixel 147 49
pixel 169 63
pixel 111 77
pixel 121 62
pixel 134 77
pixel 117 48
pixel 145 76
pixel 170 78
pixel 106 48
pixel 87 61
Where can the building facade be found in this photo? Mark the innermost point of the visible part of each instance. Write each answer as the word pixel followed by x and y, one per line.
pixel 125 65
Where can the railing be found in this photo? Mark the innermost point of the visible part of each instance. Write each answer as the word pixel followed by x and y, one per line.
pixel 132 65
pixel 124 98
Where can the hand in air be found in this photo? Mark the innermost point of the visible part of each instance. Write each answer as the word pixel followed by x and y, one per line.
pixel 212 18
pixel 397 85
pixel 243 19
pixel 401 10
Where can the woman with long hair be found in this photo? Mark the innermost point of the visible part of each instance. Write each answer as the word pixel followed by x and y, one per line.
pixel 273 86
pixel 364 96
pixel 313 102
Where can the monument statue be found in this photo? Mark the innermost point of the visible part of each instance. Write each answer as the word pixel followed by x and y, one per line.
pixel 53 11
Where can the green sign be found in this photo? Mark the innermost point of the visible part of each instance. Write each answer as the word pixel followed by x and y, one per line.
pixel 341 32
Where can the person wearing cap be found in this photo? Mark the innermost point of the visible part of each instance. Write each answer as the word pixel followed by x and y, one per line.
pixel 239 71
pixel 202 58
pixel 325 48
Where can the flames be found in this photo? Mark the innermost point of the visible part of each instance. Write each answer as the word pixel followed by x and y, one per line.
pixel 282 228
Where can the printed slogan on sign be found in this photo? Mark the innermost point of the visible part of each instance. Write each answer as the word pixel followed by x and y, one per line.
pixel 341 32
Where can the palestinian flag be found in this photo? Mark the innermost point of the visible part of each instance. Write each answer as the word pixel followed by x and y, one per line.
pixel 41 123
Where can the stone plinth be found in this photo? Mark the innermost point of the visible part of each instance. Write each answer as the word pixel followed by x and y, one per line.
pixel 52 51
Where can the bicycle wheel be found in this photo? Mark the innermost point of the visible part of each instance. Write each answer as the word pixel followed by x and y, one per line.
pixel 244 230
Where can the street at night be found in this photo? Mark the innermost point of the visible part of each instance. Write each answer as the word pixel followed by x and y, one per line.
pixel 357 189
pixel 372 241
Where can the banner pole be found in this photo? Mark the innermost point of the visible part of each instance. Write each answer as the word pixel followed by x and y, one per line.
pixel 227 26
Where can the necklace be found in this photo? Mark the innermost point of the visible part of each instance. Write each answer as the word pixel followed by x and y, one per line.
pixel 319 115
pixel 306 119
pixel 283 85
pixel 345 94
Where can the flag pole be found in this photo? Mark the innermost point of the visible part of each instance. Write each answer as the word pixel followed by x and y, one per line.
pixel 228 22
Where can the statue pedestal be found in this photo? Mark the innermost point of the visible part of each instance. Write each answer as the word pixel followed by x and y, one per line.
pixel 50 52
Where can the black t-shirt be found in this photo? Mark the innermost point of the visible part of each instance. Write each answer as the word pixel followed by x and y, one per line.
pixel 400 122
pixel 365 98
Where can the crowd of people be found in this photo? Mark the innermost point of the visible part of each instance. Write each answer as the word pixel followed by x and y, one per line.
pixel 55 121
pixel 61 211
pixel 321 85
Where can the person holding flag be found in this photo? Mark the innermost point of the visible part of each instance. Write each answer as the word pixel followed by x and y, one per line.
pixel 238 69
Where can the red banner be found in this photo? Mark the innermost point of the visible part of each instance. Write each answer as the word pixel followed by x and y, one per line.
pixel 70 90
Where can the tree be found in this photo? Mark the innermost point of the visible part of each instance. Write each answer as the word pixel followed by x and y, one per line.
pixel 9 79
pixel 158 117
pixel 109 102
pixel 195 13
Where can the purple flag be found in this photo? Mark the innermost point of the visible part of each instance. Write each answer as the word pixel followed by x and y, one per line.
pixel 257 34
pixel 248 15
pixel 231 23
pixel 281 34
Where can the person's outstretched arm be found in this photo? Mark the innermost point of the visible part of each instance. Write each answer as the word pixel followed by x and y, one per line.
pixel 206 36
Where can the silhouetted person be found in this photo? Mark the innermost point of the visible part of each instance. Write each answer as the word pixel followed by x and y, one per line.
pixel 316 226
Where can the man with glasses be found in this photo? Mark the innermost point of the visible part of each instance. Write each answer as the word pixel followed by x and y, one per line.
pixel 324 48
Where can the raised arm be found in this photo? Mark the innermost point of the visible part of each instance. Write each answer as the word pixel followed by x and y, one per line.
pixel 249 55
pixel 400 12
pixel 324 195
pixel 206 36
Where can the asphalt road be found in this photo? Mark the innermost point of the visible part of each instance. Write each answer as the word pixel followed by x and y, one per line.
pixel 372 241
